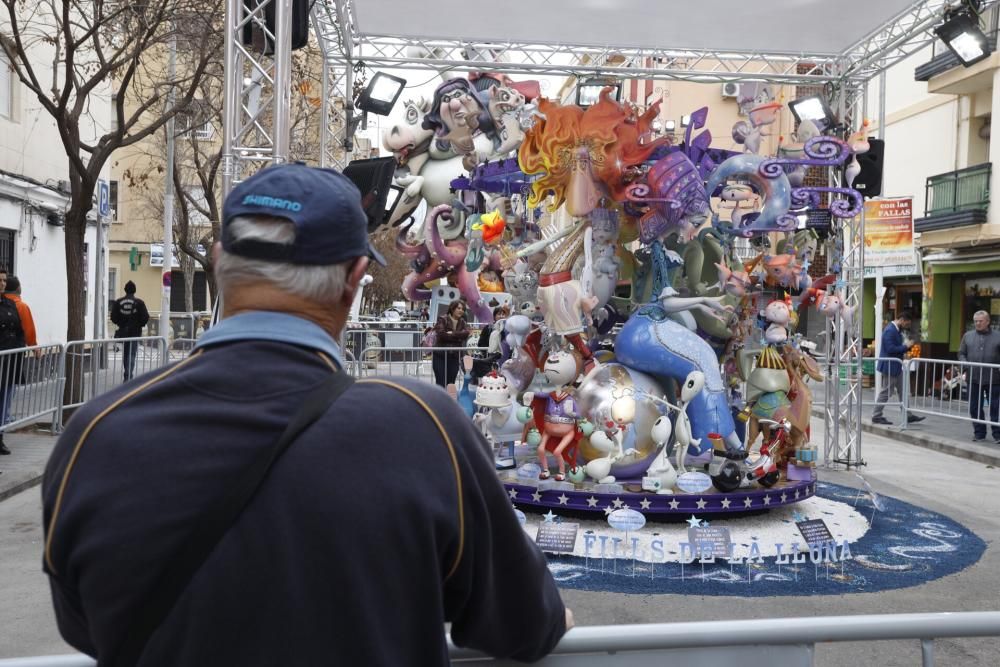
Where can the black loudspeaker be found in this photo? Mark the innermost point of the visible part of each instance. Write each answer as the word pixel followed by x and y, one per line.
pixel 869 180
pixel 373 177
pixel 257 38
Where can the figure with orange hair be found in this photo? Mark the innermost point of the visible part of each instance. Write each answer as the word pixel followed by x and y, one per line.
pixel 582 157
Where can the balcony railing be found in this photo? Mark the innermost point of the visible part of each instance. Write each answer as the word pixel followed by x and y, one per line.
pixel 956 198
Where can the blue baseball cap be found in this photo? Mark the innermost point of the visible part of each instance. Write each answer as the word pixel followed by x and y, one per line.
pixel 330 224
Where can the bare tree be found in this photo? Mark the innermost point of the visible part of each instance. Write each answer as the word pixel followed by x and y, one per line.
pixel 198 158
pixel 106 50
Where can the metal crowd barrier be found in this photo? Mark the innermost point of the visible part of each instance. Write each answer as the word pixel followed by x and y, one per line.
pixel 406 361
pixel 790 642
pixel 31 385
pixel 948 389
pixel 92 367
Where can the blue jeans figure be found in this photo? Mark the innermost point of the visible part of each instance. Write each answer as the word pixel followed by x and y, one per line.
pixel 129 349
pixel 976 411
pixel 6 398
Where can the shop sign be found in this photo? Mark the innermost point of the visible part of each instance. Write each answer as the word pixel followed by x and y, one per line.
pixel 889 233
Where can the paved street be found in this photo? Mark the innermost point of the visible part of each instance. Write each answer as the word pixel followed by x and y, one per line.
pixel 962 489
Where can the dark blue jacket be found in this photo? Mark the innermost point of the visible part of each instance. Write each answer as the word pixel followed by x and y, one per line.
pixel 892 346
pixel 383 521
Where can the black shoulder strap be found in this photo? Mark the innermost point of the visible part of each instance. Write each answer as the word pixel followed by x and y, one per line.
pixel 214 523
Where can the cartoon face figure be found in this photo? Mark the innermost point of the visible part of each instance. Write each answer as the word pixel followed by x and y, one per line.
pixel 403 138
pixel 504 100
pixel 831 305
pixel 459 109
pixel 693 383
pixel 734 191
pixel 662 428
pixel 561 368
pixel 777 312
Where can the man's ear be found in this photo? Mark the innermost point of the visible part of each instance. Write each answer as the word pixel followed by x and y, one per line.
pixel 355 272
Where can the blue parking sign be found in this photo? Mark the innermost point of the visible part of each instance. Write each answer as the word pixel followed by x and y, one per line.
pixel 103 199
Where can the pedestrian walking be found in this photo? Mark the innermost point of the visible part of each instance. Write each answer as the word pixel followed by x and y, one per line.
pixel 226 512
pixel 890 366
pixel 982 346
pixel 130 315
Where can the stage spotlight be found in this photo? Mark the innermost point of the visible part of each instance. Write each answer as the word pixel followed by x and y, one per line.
pixel 961 33
pixel 813 108
pixel 685 120
pixel 588 92
pixel 670 125
pixel 381 94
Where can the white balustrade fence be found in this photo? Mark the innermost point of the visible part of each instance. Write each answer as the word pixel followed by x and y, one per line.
pixel 789 642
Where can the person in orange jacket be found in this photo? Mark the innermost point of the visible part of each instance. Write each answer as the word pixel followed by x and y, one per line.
pixel 13 292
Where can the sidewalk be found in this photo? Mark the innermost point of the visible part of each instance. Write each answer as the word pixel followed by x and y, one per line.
pixel 941 434
pixel 24 467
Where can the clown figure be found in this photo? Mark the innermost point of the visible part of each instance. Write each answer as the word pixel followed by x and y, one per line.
pixel 560 413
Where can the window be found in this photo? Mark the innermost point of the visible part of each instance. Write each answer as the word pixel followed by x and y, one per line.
pixel 7 250
pixel 113 199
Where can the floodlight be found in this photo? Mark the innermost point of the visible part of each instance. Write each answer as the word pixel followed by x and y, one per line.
pixel 813 108
pixel 961 33
pixel 670 125
pixel 588 92
pixel 685 120
pixel 381 94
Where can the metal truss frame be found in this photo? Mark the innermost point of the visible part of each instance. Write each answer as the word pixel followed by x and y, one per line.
pixel 257 130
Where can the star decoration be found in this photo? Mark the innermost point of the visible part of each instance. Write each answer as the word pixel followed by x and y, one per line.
pixel 624 507
pixel 550 517
pixel 592 502
pixel 694 521
pixel 536 496
pixel 608 510
pixel 512 493
pixel 563 499
pixel 747 502
pixel 726 502
pixel 674 504
pixel 796 494
pixel 645 504
pixel 618 502
pixel 701 503
pixel 784 497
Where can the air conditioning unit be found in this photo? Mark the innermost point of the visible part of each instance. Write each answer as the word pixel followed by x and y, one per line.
pixel 730 89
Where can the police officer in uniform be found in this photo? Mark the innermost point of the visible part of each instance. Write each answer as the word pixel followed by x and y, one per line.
pixel 381 521
pixel 130 315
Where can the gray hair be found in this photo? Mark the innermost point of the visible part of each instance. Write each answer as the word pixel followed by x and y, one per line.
pixel 316 283
pixel 982 313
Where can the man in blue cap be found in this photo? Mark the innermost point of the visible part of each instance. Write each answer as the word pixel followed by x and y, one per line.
pixel 376 520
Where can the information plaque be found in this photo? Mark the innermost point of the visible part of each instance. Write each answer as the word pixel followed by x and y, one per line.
pixel 815 532
pixel 711 541
pixel 557 537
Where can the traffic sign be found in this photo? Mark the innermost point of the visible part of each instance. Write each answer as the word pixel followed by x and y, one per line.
pixel 103 199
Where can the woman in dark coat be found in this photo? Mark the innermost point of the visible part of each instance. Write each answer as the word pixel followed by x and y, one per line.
pixel 451 330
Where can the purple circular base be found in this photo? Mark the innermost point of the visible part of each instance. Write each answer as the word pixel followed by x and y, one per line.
pixel 585 499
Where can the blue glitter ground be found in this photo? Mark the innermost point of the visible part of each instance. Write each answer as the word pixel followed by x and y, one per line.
pixel 907 546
